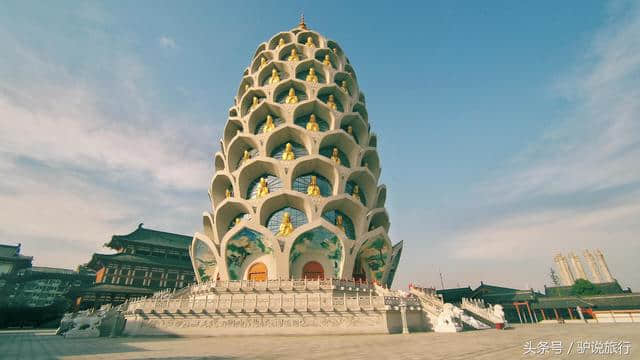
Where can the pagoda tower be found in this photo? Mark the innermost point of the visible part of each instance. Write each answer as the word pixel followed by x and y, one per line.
pixel 295 191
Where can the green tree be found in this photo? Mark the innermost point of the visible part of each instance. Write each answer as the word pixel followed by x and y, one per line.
pixel 584 287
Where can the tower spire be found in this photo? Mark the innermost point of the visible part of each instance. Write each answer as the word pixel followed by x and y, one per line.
pixel 302 24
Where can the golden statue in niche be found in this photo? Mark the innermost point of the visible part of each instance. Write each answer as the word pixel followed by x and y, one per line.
pixel 280 44
pixel 246 87
pixel 263 63
pixel 327 60
pixel 343 86
pixel 237 221
pixel 227 193
pixel 288 153
pixel 312 77
pixel 332 102
pixel 275 77
pixel 313 189
pixel 310 43
pixel 246 156
pixel 294 55
pixel 339 223
pixel 350 130
pixel 312 125
pixel 263 188
pixel 269 125
pixel 286 227
pixel 255 102
pixel 335 155
pixel 356 192
pixel 291 98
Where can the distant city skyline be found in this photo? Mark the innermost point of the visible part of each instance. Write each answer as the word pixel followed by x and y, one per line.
pixel 507 133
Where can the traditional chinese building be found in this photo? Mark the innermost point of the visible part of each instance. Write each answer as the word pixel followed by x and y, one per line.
pixel 145 261
pixel 11 260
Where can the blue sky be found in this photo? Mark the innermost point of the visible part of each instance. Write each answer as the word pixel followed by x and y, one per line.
pixel 507 131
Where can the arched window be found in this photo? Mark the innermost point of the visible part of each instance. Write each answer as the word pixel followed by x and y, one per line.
pixel 349 189
pixel 298 218
pixel 273 184
pixel 301 184
pixel 257 272
pixel 328 152
pixel 332 217
pixel 298 150
pixel 312 270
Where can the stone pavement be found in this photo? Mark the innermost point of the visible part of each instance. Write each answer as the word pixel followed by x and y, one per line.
pixel 477 345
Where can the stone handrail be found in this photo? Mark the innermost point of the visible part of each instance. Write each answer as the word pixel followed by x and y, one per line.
pixel 481 309
pixel 220 286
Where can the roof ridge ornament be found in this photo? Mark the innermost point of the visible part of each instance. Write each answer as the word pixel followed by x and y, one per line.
pixel 302 24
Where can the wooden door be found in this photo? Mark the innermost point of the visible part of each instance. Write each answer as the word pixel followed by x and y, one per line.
pixel 312 270
pixel 257 272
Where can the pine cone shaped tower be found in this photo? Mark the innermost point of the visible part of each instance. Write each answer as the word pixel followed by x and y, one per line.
pixel 295 191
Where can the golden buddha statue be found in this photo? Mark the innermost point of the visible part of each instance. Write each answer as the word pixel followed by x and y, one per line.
pixel 263 188
pixel 291 98
pixel 286 227
pixel 275 77
pixel 313 189
pixel 312 125
pixel 343 86
pixel 339 223
pixel 288 153
pixel 365 164
pixel 310 43
pixel 246 87
pixel 263 63
pixel 269 125
pixel 350 130
pixel 335 156
pixel 332 102
pixel 227 193
pixel 255 102
pixel 327 60
pixel 238 220
pixel 280 44
pixel 356 192
pixel 312 77
pixel 246 156
pixel 294 55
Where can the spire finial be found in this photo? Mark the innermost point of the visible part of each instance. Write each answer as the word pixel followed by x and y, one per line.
pixel 302 24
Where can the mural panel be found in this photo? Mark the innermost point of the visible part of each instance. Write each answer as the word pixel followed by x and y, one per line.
pixel 374 254
pixel 204 261
pixel 318 241
pixel 242 245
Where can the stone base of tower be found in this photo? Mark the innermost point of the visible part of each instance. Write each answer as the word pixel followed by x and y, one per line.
pixel 295 308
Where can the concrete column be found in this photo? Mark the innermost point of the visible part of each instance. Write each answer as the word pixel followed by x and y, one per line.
pixel 604 269
pixel 595 273
pixel 566 277
pixel 403 315
pixel 577 266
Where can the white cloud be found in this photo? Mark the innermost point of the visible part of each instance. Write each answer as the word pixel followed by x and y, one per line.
pixel 167 42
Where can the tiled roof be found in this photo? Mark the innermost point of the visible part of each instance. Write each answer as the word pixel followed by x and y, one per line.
pixel 152 238
pixel 9 250
pixel 111 288
pixel 147 260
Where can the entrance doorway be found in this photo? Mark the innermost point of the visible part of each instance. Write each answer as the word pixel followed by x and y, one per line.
pixel 312 270
pixel 257 272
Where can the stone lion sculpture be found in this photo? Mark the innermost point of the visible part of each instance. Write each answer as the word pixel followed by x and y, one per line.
pixel 449 319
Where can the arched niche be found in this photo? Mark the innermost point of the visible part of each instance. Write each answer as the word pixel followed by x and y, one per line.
pixel 362 110
pixel 373 256
pixel 237 220
pixel 233 112
pixel 319 245
pixel 351 85
pixel 227 213
pixel 361 98
pixel 346 145
pixel 253 170
pixel 245 85
pixel 258 117
pixel 348 68
pixel 321 166
pixel 297 217
pixel 209 228
pixel 245 72
pixel 371 161
pixel 382 196
pixel 282 201
pixel 285 52
pixel 340 98
pixel 359 126
pixel 285 134
pixel 231 129
pixel 220 183
pixel 327 152
pixel 218 161
pixel 274 184
pixel 299 151
pixel 373 140
pixel 366 183
pixel 320 55
pixel 347 224
pixel 273 42
pixel 237 148
pixel 257 272
pixel 324 118
pixel 347 206
pixel 281 92
pixel 379 218
pixel 317 40
pixel 242 248
pixel 301 184
pixel 302 70
pixel 205 264
pixel 360 195
pixel 265 74
pixel 247 100
pixel 335 48
pixel 267 55
pixel 262 47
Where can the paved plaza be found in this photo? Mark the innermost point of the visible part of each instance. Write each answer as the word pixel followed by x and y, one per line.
pixel 477 345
